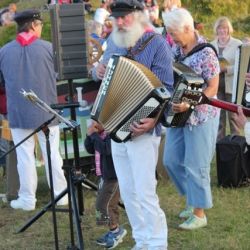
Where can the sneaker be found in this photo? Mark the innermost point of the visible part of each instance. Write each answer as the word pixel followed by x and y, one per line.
pixel 64 201
pixel 102 240
pixel 20 204
pixel 110 240
pixel 194 222
pixel 186 213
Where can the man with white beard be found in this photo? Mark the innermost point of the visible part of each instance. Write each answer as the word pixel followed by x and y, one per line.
pixel 135 160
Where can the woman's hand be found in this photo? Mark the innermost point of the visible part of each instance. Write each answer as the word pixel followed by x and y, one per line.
pixel 180 107
pixel 223 69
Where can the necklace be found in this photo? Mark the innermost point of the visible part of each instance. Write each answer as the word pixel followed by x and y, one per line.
pixel 223 43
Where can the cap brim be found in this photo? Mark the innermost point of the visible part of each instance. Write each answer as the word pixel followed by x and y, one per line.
pixel 25 20
pixel 120 13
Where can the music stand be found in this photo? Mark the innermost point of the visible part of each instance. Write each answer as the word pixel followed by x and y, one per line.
pixel 31 96
pixel 71 180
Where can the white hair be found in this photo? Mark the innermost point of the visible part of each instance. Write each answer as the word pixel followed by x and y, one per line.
pixel 94 27
pixel 177 19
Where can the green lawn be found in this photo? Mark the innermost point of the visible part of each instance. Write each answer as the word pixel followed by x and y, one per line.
pixel 228 221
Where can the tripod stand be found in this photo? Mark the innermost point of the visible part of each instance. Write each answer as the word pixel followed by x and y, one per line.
pixel 45 129
pixel 74 180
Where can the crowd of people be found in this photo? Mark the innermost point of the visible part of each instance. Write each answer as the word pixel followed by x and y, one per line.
pixel 7 15
pixel 127 170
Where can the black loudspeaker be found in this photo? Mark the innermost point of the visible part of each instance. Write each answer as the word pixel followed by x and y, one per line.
pixel 69 41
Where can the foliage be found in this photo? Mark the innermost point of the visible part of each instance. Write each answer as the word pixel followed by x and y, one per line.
pixel 5 3
pixel 205 11
pixel 7 34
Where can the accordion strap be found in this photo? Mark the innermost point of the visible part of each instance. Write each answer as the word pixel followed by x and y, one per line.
pixel 196 49
pixel 141 47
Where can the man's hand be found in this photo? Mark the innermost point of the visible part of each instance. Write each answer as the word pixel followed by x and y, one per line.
pixel 145 125
pixel 240 119
pixel 100 70
pixel 248 79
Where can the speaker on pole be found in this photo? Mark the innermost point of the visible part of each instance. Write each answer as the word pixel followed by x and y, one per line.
pixel 69 41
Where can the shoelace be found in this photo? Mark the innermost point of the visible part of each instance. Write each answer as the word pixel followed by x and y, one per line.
pixel 109 234
pixel 190 219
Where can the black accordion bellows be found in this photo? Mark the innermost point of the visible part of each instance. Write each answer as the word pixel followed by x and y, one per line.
pixel 129 92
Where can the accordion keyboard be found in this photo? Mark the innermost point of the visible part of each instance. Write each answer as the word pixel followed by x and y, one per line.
pixel 148 108
pixel 128 93
pixel 185 79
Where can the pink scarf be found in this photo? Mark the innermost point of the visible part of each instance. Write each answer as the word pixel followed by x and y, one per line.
pixel 25 38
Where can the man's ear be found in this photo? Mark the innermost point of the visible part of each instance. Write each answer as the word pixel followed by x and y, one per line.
pixel 33 25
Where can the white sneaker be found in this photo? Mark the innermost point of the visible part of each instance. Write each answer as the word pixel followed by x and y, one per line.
pixel 20 204
pixel 186 213
pixel 64 201
pixel 194 222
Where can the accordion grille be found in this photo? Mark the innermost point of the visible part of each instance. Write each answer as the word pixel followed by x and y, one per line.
pixel 131 83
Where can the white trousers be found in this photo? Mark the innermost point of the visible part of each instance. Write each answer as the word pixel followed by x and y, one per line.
pixel 26 162
pixel 135 164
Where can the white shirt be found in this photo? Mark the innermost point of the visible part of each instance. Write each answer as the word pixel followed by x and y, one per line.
pixel 247 132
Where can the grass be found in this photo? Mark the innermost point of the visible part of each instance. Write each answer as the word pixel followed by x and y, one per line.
pixel 228 228
pixel 228 221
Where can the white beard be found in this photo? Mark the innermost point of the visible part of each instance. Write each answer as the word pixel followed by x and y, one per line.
pixel 128 37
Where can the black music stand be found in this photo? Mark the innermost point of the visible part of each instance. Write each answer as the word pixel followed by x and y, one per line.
pixel 72 175
pixel 45 129
pixel 31 96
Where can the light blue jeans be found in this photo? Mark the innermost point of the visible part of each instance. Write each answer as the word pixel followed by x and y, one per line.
pixel 187 158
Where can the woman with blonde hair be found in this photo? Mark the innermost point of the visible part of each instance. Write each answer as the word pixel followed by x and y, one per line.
pixel 170 4
pixel 226 46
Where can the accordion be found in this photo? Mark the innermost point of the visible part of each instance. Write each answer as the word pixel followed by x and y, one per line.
pixel 185 81
pixel 240 92
pixel 129 92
